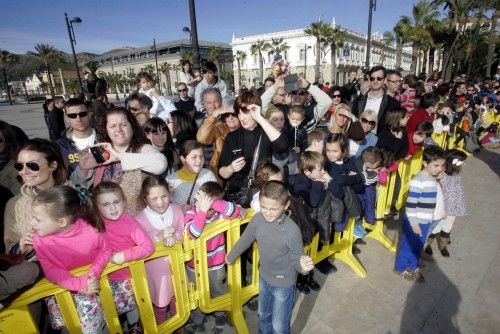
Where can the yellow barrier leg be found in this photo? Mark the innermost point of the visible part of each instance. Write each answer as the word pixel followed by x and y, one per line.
pixel 108 306
pixel 68 311
pixel 342 246
pixel 376 232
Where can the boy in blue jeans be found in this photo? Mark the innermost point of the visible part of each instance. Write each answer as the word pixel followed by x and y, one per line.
pixel 419 214
pixel 281 253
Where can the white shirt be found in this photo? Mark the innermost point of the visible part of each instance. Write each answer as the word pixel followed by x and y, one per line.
pixel 439 211
pixel 82 143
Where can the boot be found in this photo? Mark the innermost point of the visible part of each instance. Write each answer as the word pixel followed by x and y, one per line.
pixel 311 282
pixel 430 240
pixel 302 284
pixel 443 243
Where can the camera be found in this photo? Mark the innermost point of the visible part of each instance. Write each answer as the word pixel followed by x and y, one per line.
pixel 100 154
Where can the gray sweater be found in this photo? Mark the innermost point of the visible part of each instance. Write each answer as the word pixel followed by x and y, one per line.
pixel 280 248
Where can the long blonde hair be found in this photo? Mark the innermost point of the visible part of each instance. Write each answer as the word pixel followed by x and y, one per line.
pixel 331 123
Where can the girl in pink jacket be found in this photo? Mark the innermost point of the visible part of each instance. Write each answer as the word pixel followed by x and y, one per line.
pixel 67 235
pixel 128 241
pixel 163 222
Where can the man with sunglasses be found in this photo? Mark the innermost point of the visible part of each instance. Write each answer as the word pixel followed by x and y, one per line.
pixel 314 101
pixel 184 102
pixel 140 105
pixel 79 134
pixel 376 98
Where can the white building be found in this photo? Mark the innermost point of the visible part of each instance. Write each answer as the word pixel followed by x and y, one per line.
pixel 301 56
pixel 33 84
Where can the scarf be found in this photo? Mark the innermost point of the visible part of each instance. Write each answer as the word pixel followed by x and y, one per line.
pixel 160 221
pixel 186 175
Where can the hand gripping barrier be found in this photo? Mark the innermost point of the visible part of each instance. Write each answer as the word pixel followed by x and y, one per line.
pixel 18 318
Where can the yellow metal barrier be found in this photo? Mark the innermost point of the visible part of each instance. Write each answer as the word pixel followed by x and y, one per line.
pixel 18 319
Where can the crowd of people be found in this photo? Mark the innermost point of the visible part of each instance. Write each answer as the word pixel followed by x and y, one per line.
pixel 112 182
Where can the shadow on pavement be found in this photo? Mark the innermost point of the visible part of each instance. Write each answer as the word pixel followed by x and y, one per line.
pixel 307 305
pixel 491 158
pixel 432 306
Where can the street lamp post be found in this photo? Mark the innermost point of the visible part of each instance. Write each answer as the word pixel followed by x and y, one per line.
pixel 373 7
pixel 72 40
pixel 194 35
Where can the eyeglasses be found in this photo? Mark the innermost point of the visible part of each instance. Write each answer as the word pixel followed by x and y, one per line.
pixel 299 92
pixel 34 166
pixel 376 78
pixel 81 114
pixel 136 109
pixel 182 90
pixel 396 82
pixel 161 131
pixel 364 120
pixel 337 95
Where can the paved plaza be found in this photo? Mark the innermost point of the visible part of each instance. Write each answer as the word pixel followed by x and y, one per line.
pixel 461 293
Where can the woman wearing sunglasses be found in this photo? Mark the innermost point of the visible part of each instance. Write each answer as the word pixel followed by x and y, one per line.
pixel 160 137
pixel 127 157
pixel 368 120
pixel 40 166
pixel 341 119
pixel 240 146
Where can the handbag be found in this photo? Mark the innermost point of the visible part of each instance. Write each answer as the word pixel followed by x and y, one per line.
pixel 243 197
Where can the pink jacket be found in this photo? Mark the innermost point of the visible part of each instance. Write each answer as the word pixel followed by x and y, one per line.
pixel 195 223
pixel 383 175
pixel 61 252
pixel 127 236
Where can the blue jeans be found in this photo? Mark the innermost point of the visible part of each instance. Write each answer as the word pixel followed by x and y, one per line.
pixel 275 308
pixel 410 246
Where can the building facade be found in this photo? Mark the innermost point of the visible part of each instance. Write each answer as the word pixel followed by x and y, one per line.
pixel 129 61
pixel 301 56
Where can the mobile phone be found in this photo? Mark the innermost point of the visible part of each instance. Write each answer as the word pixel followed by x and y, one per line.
pixel 97 152
pixel 237 153
pixel 291 83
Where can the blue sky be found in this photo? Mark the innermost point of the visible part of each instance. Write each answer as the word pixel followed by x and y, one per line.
pixel 108 24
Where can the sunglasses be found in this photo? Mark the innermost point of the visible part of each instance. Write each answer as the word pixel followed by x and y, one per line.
pixel 337 95
pixel 244 109
pixel 136 109
pixel 364 120
pixel 182 90
pixel 376 78
pixel 227 115
pixel 161 131
pixel 301 93
pixel 81 114
pixel 34 166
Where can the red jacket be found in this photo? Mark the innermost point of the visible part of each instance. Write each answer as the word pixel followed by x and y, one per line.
pixel 420 115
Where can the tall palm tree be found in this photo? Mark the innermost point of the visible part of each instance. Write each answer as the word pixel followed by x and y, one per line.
pixel 93 66
pixel 165 69
pixel 424 17
pixel 458 12
pixel 319 30
pixel 215 55
pixel 398 35
pixel 240 57
pixel 334 38
pixel 6 58
pixel 469 41
pixel 48 54
pixel 492 40
pixel 257 49
pixel 278 46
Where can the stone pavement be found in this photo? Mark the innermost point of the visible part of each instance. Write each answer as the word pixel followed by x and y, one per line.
pixel 461 293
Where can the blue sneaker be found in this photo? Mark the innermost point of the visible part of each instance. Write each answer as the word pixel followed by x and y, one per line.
pixel 359 231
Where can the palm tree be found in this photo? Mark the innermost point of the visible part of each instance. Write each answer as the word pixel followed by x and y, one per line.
pixel 334 38
pixel 240 57
pixel 48 54
pixel 7 58
pixel 472 37
pixel 278 46
pixel 186 56
pixel 424 17
pixel 257 49
pixel 148 69
pixel 398 35
pixel 93 66
pixel 165 69
pixel 215 55
pixel 492 41
pixel 319 30
pixel 458 16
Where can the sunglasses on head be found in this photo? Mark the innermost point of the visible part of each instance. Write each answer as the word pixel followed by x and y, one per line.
pixel 80 114
pixel 182 90
pixel 160 131
pixel 364 120
pixel 299 92
pixel 244 109
pixel 376 78
pixel 34 166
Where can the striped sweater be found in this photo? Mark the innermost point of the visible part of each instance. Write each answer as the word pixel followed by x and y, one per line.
pixel 195 222
pixel 421 201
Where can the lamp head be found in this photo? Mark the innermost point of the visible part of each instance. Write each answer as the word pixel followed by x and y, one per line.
pixel 186 29
pixel 76 20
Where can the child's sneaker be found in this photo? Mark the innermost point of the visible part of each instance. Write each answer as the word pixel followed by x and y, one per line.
pixel 135 329
pixel 408 275
pixel 359 231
